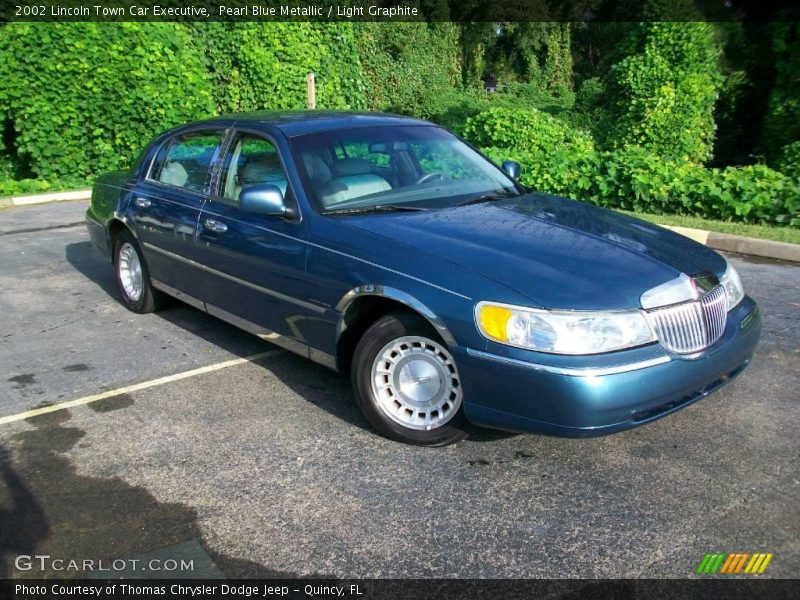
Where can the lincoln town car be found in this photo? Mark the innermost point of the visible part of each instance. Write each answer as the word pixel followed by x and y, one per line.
pixel 391 250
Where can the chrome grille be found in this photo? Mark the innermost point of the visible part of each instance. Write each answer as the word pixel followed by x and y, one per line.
pixel 691 326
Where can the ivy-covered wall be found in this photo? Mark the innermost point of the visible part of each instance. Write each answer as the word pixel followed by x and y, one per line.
pixel 258 66
pixel 409 67
pixel 78 99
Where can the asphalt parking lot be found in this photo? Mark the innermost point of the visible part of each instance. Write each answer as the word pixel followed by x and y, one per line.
pixel 266 468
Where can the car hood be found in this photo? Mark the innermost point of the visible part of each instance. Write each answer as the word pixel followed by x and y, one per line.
pixel 560 253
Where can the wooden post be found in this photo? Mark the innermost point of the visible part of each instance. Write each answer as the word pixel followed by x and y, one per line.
pixel 311 91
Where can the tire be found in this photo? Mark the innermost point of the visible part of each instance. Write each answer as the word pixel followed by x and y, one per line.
pixel 406 382
pixel 133 277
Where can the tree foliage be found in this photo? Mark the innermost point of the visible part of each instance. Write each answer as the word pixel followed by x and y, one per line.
pixel 621 111
pixel 789 162
pixel 782 123
pixel 662 97
pixel 748 71
pixel 538 53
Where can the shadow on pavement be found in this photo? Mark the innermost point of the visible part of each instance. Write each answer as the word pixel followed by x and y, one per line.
pixel 54 510
pixel 23 525
pixel 316 384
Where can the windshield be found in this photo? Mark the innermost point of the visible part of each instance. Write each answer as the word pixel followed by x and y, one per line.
pixel 394 167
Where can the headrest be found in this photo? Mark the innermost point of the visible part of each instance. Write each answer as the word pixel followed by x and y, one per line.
pixel 352 166
pixel 174 173
pixel 317 170
pixel 257 171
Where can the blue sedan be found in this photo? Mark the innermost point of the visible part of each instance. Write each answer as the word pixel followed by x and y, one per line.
pixel 389 249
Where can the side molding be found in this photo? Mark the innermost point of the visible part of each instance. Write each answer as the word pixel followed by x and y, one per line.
pixel 303 350
pixel 396 295
pixel 273 337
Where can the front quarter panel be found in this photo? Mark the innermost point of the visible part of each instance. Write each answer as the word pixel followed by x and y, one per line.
pixel 344 261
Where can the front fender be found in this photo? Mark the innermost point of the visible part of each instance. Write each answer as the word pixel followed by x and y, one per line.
pixel 391 293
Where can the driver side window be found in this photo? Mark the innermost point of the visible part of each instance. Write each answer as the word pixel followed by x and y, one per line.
pixel 252 160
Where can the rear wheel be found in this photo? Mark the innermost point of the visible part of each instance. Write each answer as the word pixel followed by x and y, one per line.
pixel 406 382
pixel 133 278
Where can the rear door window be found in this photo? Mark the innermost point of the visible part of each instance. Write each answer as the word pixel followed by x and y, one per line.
pixel 186 161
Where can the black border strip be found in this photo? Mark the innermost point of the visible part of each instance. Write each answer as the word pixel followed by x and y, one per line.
pixel 440 589
pixel 392 10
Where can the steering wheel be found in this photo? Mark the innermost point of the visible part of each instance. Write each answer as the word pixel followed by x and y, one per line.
pixel 429 177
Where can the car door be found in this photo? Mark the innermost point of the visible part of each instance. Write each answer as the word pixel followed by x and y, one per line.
pixel 165 208
pixel 256 262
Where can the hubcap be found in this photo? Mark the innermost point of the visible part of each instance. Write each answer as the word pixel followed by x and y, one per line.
pixel 415 383
pixel 130 272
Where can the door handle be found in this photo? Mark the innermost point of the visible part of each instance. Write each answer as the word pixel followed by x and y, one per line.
pixel 216 226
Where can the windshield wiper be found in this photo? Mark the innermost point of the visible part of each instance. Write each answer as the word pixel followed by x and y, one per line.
pixel 488 198
pixel 378 208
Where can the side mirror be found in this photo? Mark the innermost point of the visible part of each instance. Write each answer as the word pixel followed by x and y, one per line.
pixel 264 199
pixel 511 168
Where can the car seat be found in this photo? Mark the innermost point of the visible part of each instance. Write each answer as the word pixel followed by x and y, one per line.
pixel 347 179
pixel 174 173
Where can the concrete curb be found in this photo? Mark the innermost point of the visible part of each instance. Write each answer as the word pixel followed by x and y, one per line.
pixel 740 244
pixel 84 194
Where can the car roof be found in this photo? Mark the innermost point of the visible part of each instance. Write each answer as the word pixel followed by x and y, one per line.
pixel 299 122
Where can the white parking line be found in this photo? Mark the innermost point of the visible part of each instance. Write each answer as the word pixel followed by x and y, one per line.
pixel 135 387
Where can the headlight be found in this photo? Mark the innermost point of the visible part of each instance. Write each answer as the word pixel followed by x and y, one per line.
pixel 562 332
pixel 730 282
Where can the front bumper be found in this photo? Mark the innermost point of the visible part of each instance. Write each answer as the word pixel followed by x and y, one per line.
pixel 520 390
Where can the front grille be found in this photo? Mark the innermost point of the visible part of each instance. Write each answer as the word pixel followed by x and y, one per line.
pixel 691 326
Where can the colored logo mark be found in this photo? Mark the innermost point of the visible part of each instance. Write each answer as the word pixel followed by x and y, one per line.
pixel 734 562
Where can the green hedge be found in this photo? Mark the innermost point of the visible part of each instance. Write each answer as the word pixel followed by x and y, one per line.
pixel 10 187
pixel 529 130
pixel 561 160
pixel 452 108
pixel 634 179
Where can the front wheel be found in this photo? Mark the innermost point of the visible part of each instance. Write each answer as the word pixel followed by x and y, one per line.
pixel 406 382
